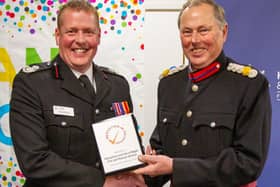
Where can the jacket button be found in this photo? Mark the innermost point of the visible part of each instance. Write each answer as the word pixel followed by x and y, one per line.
pixel 97 164
pixel 63 123
pixel 164 120
pixel 97 111
pixel 189 113
pixel 184 142
pixel 212 124
pixel 194 88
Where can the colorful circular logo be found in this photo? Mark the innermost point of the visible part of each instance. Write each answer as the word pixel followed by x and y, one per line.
pixel 115 134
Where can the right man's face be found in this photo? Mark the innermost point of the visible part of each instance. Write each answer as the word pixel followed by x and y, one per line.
pixel 201 36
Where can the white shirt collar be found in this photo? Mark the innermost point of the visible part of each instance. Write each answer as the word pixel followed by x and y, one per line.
pixel 88 73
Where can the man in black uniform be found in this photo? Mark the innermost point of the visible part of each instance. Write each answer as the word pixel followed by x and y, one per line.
pixel 214 115
pixel 52 111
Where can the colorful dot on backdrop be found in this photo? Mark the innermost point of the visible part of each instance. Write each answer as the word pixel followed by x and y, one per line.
pixel 137 77
pixel 27 16
pixel 10 175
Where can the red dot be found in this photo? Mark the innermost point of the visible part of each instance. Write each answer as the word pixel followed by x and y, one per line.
pixel 142 46
pixel 12 15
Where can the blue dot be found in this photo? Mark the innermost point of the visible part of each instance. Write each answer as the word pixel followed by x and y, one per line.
pixel 100 5
pixel 44 18
pixel 108 9
pixel 16 9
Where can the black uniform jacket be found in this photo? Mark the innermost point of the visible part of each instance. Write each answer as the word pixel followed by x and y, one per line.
pixel 60 150
pixel 217 130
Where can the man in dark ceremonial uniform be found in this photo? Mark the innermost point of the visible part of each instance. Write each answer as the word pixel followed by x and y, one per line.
pixel 214 115
pixel 53 106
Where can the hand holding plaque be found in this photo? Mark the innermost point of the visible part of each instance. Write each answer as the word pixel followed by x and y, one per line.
pixel 118 144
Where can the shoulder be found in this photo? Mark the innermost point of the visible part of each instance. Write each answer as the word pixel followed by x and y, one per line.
pixel 30 69
pixel 172 70
pixel 109 72
pixel 244 70
pixel 247 73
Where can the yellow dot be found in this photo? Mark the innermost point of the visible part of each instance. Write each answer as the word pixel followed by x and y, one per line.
pixel 25 3
pixel 10 163
pixel 20 24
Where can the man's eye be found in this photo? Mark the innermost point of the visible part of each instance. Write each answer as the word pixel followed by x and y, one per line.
pixel 91 32
pixel 187 33
pixel 203 31
pixel 70 32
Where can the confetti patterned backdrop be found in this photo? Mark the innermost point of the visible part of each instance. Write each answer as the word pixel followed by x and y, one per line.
pixel 26 37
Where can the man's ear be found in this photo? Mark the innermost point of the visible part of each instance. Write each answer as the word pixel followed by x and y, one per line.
pixel 225 32
pixel 57 35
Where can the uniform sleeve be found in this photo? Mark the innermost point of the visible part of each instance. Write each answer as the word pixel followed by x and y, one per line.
pixel 156 144
pixel 38 163
pixel 244 160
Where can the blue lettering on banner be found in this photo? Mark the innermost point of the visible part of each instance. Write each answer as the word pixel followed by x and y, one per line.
pixel 4 109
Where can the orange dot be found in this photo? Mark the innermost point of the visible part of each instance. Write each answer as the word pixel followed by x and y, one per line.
pixel 138 12
pixel 141 133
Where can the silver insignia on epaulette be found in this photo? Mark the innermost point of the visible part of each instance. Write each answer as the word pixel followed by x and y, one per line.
pixel 246 71
pixel 30 69
pixel 172 70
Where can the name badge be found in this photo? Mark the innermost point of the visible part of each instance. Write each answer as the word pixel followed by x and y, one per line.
pixel 63 110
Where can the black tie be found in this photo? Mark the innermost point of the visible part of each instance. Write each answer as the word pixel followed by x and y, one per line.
pixel 87 85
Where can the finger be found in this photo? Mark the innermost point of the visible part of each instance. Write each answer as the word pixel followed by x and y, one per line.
pixel 149 150
pixel 147 170
pixel 150 159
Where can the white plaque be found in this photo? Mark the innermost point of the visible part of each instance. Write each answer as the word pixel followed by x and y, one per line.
pixel 118 143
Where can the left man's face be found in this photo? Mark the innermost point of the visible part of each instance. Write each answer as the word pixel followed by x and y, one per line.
pixel 78 38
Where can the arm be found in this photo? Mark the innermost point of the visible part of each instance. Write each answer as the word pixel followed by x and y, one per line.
pixel 38 162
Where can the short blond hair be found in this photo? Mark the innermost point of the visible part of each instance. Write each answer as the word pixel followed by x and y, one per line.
pixel 79 5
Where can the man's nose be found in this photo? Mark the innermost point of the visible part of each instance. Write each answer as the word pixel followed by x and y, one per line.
pixel 80 37
pixel 195 37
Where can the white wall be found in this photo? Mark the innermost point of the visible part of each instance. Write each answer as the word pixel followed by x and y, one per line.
pixel 162 50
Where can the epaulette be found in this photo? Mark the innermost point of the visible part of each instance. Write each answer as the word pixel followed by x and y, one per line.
pixel 172 70
pixel 246 71
pixel 36 67
pixel 108 70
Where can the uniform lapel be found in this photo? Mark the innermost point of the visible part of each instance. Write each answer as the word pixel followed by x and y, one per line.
pixel 103 85
pixel 71 83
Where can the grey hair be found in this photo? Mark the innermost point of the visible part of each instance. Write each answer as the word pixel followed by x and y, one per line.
pixel 219 12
